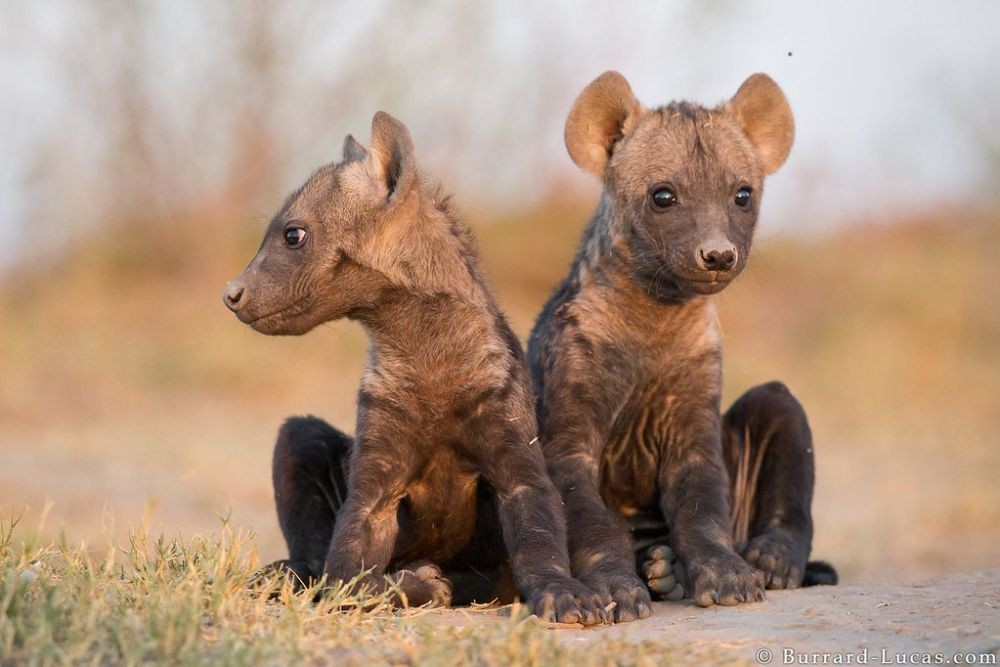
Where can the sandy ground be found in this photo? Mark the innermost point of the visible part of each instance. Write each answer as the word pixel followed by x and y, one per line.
pixel 897 623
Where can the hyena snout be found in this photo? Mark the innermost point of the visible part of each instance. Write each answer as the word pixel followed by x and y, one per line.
pixel 234 295
pixel 717 256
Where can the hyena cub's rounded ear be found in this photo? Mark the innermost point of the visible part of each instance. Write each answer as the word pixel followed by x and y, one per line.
pixel 762 110
pixel 603 113
pixel 391 156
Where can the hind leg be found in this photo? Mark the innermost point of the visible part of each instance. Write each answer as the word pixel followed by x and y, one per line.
pixel 310 490
pixel 310 486
pixel 769 456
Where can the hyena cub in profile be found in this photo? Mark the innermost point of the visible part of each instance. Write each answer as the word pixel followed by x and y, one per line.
pixel 626 359
pixel 445 468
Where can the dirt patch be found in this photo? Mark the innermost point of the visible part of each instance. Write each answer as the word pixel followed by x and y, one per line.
pixel 894 622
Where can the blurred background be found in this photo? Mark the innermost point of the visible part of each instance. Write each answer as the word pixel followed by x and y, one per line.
pixel 144 145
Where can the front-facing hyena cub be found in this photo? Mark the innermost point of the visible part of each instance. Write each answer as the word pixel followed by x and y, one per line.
pixel 626 359
pixel 445 467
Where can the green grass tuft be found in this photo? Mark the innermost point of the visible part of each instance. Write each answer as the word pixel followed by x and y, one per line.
pixel 197 601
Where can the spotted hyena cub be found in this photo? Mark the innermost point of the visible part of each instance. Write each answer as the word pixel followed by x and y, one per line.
pixel 626 360
pixel 445 471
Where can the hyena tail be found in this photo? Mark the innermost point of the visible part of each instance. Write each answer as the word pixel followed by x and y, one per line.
pixel 819 573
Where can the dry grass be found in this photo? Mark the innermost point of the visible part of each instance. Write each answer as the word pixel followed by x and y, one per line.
pixel 160 601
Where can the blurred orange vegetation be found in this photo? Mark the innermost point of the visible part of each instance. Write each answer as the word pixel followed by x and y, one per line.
pixel 127 387
pixel 127 384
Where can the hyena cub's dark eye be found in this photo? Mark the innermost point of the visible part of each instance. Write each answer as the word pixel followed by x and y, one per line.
pixel 663 198
pixel 743 196
pixel 295 237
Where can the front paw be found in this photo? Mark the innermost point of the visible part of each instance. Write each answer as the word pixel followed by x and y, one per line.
pixel 567 601
pixel 724 579
pixel 424 583
pixel 780 556
pixel 624 592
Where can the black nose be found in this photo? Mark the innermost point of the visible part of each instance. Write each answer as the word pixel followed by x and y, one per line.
pixel 233 296
pixel 717 259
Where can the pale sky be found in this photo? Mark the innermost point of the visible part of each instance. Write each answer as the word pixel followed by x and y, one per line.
pixel 896 103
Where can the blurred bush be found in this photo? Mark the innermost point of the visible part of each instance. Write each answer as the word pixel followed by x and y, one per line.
pixel 125 384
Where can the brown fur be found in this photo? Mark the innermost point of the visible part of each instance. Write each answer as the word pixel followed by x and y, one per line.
pixel 626 355
pixel 445 466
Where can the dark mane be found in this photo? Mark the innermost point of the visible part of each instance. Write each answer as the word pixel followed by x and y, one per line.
pixel 463 234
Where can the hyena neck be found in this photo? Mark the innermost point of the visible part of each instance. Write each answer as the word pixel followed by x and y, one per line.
pixel 605 257
pixel 426 337
pixel 597 246
pixel 431 284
